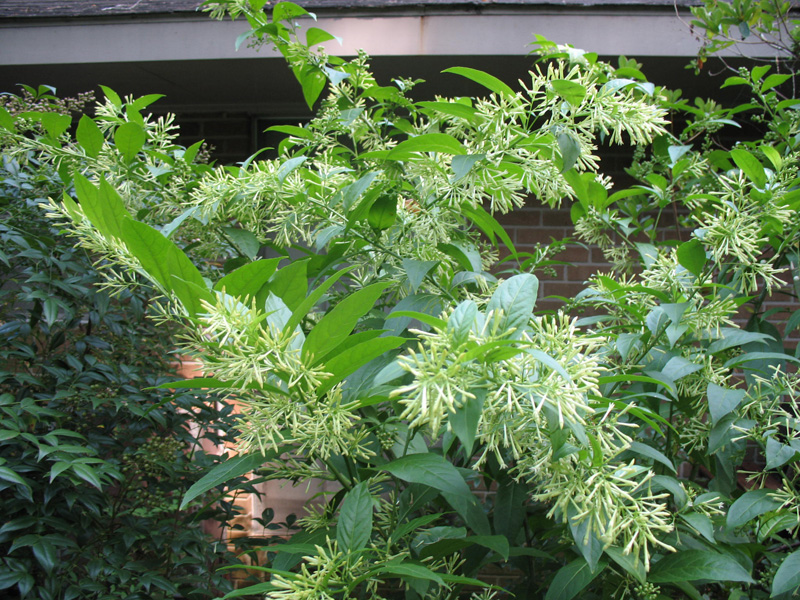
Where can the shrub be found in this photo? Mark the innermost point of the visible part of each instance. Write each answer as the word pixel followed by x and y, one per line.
pixel 378 347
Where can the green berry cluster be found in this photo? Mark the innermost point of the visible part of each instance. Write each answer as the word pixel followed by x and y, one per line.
pixel 647 591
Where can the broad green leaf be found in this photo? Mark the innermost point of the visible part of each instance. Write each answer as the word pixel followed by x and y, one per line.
pixel 674 487
pixel 292 130
pixel 290 284
pixel 692 256
pixel 258 589
pixel 166 264
pixel 462 320
pixel 453 109
pixel 516 297
pixel 226 471
pixel 299 313
pixel 628 562
pixel 129 139
pixel 700 523
pixel 246 281
pixel 489 225
pixel 337 325
pixel 787 578
pixel 103 207
pixel 431 470
pixel 290 165
pixel 775 80
pixel 586 540
pixel 571 579
pixel 490 82
pixel 382 213
pixel 408 569
pixel 6 120
pixel 354 526
pixel 55 124
pixel 733 336
pixel 750 165
pixel 426 142
pixel 354 191
pixel 571 91
pixel 451 545
pixel 245 241
pixel 355 357
pixel 412 526
pixel 88 474
pixel 284 11
pixel 416 270
pixel 45 554
pixel 465 419
pixel 691 565
pixel 650 452
pixel 749 506
pixel 463 163
pixel 772 155
pixel 312 80
pixel 570 150
pixel 722 401
pixel 9 475
pixel 678 367
pixel 778 454
pixel 315 35
pixel 89 136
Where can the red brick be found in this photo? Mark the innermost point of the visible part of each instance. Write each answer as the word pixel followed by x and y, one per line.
pixel 556 218
pixel 582 273
pixel 541 235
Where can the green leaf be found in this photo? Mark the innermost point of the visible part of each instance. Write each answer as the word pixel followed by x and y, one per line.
pixel 571 579
pixel 258 589
pixel 88 474
pixel 55 124
pixel 778 454
pixel 337 325
pixel 89 136
pixel 516 297
pixel 691 565
pixel 570 151
pixel 103 207
pixel 45 554
pixel 416 270
pixel 750 505
pixel 354 526
pixel 490 82
pixel 488 225
pixel 9 475
pixel 453 109
pixel 290 165
pixel 787 578
pixel 408 569
pixel 627 562
pixel 353 358
pixel 129 139
pixel 226 471
pixel 315 35
pixel 750 166
pixel 465 419
pixel 431 470
pixel 463 163
pixel 587 541
pixel 427 142
pixel 700 523
pixel 166 264
pixel 722 401
pixel 6 120
pixel 382 213
pixel 246 242
pixel 284 11
pixel 246 281
pixel 312 80
pixel 290 284
pixel 775 80
pixel 299 313
pixel 571 91
pixel 652 453
pixel 692 256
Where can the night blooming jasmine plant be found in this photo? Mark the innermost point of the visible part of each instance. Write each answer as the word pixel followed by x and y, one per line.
pixel 350 296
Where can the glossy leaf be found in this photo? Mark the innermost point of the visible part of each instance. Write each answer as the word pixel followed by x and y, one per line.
pixel 749 506
pixel 89 136
pixel 750 165
pixel 226 471
pixel 354 526
pixel 516 297
pixel 692 565
pixel 490 82
pixel 129 139
pixel 787 577
pixel 571 579
pixel 426 142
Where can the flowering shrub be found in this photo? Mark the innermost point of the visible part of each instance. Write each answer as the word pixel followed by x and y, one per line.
pixel 360 320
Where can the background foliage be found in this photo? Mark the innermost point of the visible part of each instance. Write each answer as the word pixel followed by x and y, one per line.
pixel 93 458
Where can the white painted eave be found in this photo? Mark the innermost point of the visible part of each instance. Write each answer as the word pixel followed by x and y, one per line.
pixel 607 31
